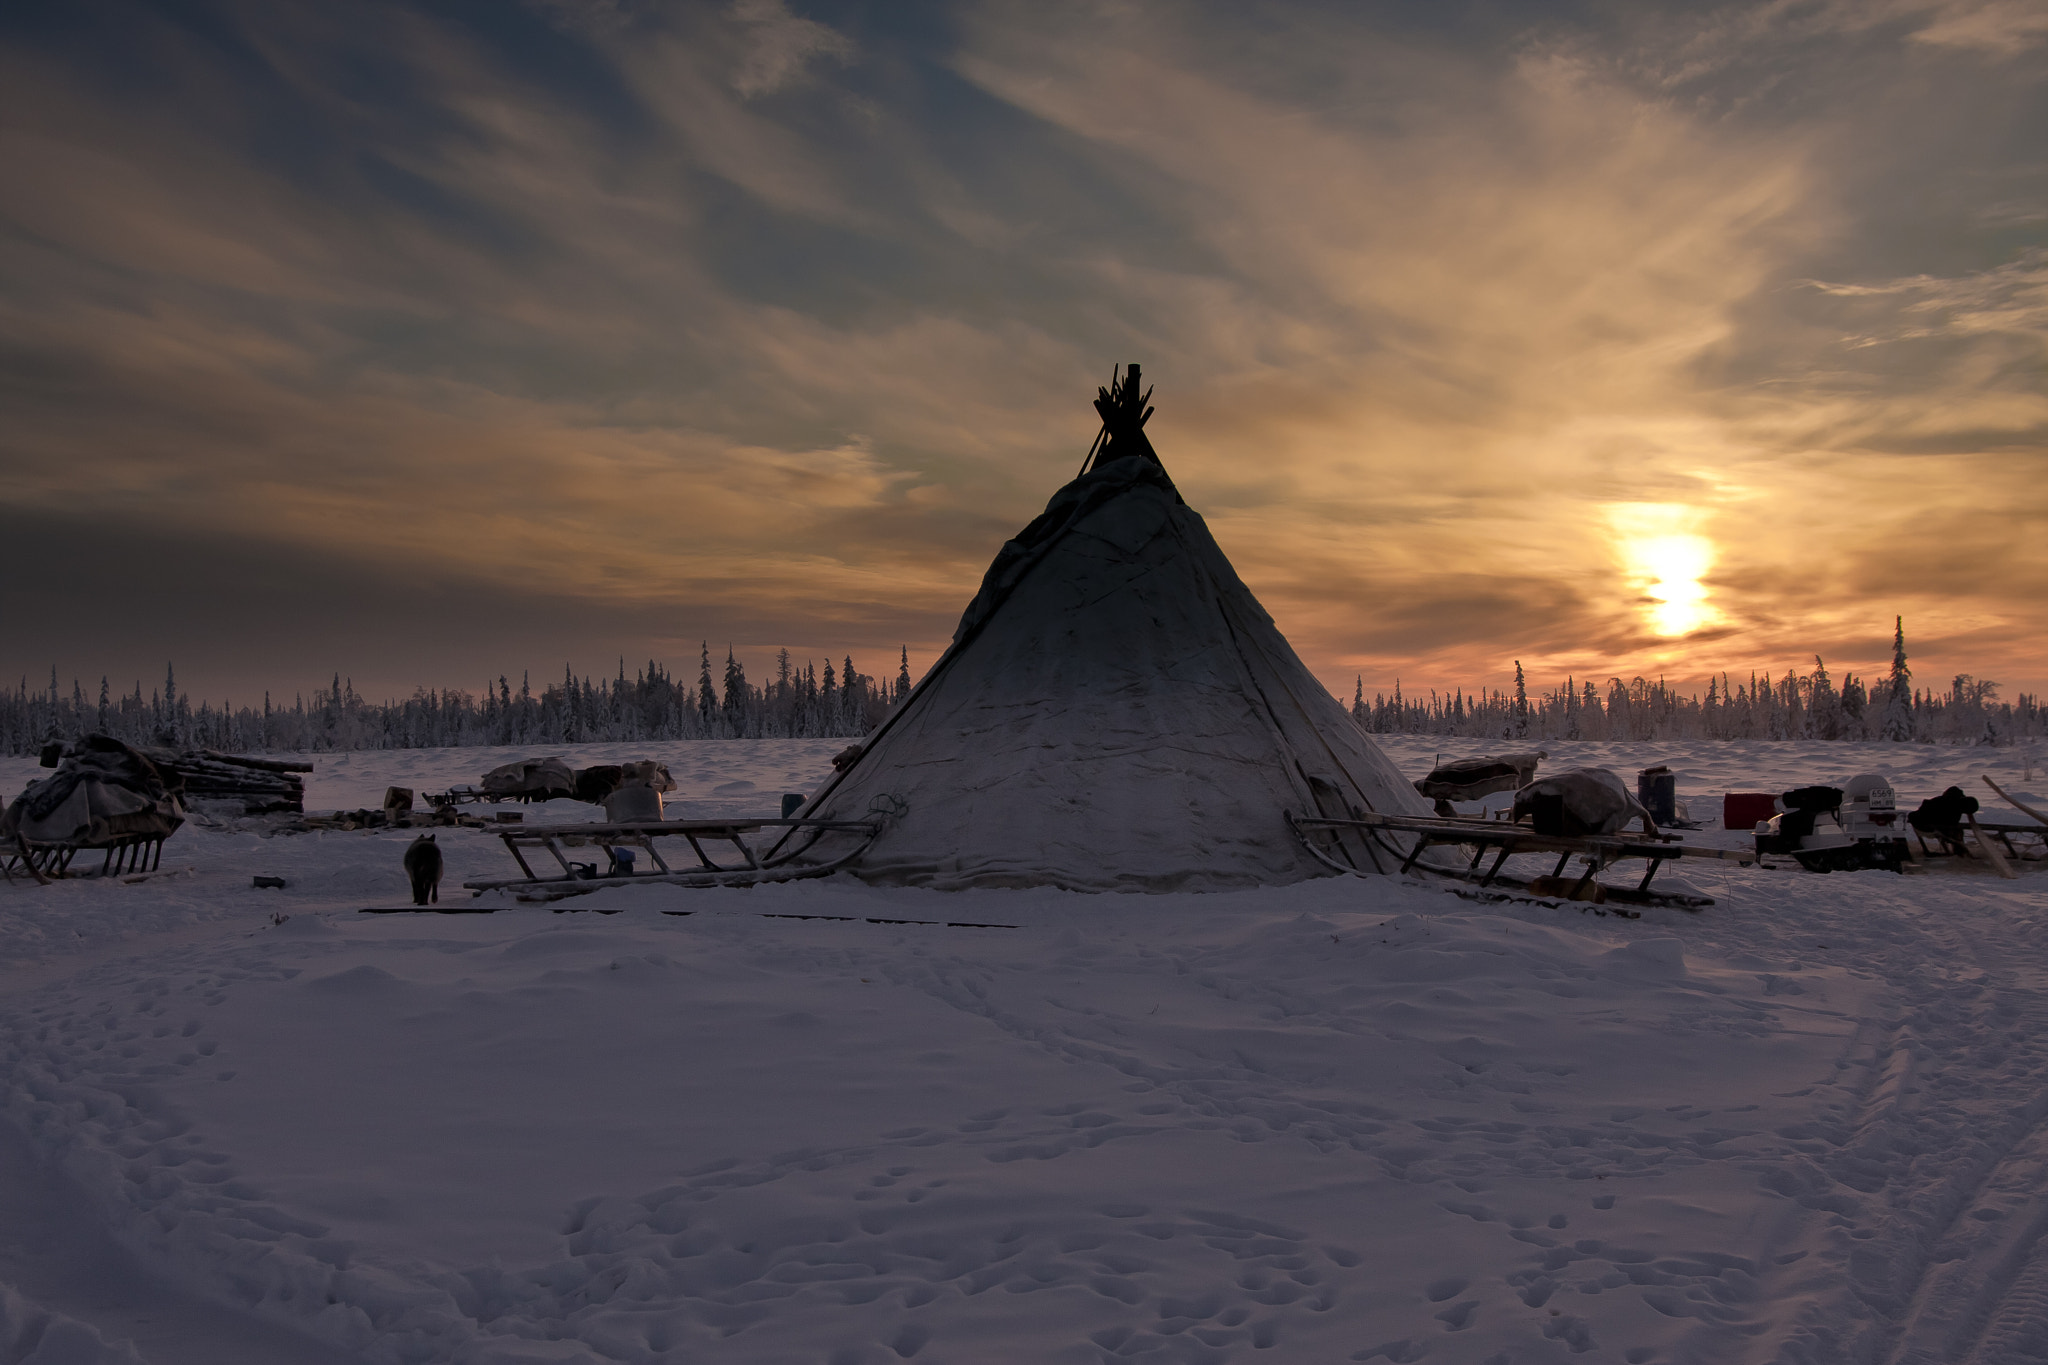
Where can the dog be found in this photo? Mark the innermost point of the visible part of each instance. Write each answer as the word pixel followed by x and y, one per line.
pixel 423 867
pixel 1563 887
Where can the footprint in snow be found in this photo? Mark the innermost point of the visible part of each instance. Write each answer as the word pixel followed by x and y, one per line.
pixel 1458 1316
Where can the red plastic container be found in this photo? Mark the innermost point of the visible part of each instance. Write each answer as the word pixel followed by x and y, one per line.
pixel 1742 810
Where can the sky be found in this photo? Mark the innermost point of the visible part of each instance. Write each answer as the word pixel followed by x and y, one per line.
pixel 425 343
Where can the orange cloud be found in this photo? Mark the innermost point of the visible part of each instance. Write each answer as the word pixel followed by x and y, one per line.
pixel 741 317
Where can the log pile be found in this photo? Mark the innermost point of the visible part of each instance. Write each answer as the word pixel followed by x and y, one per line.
pixel 262 785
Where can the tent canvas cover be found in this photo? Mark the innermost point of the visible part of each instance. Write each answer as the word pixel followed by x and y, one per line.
pixel 1116 712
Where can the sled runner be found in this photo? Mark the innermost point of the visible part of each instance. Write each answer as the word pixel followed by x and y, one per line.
pixel 1333 842
pixel 49 861
pixel 802 848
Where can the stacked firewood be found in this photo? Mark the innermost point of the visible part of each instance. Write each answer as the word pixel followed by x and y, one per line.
pixel 262 785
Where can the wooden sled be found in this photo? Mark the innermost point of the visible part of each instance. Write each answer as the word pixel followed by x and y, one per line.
pixel 51 861
pixel 1992 841
pixel 803 848
pixel 1331 842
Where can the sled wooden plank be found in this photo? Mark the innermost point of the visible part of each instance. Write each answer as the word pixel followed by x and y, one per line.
pixel 1601 850
pixel 2013 803
pixel 1990 852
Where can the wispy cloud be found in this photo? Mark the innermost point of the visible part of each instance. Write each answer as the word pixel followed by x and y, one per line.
pixel 763 314
pixel 2003 27
pixel 780 47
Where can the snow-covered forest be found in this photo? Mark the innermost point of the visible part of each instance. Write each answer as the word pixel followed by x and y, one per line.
pixel 1794 706
pixel 799 701
pixel 803 701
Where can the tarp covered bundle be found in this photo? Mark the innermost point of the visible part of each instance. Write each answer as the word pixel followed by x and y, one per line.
pixel 544 779
pixel 531 779
pixel 1468 779
pixel 1581 801
pixel 597 783
pixel 102 793
pixel 1116 712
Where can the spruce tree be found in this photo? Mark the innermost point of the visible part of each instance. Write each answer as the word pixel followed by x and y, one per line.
pixel 735 693
pixel 903 676
pixel 1897 723
pixel 1823 704
pixel 707 700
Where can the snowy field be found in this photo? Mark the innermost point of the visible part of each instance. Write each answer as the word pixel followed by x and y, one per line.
pixel 1347 1120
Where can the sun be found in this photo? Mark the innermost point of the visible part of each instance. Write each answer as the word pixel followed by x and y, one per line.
pixel 1665 560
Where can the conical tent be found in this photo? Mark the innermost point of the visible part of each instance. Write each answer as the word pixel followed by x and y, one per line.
pixel 1116 712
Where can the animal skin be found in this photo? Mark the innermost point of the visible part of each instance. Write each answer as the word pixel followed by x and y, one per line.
pixel 423 867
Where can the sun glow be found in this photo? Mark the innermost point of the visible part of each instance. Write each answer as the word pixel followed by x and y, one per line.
pixel 1665 558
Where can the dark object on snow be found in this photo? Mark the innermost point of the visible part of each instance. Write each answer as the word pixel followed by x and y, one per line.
pixel 1657 790
pixel 1744 811
pixel 529 779
pixel 1944 814
pixel 397 802
pixel 847 757
pixel 1580 801
pixel 792 802
pixel 268 883
pixel 1804 807
pixel 423 869
pixel 1468 779
pixel 1547 814
pixel 1811 829
pixel 103 795
pixel 595 783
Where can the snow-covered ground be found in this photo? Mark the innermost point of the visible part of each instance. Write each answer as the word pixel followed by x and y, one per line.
pixel 1346 1120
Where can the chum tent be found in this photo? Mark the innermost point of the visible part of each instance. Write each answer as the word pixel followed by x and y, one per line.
pixel 1116 712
